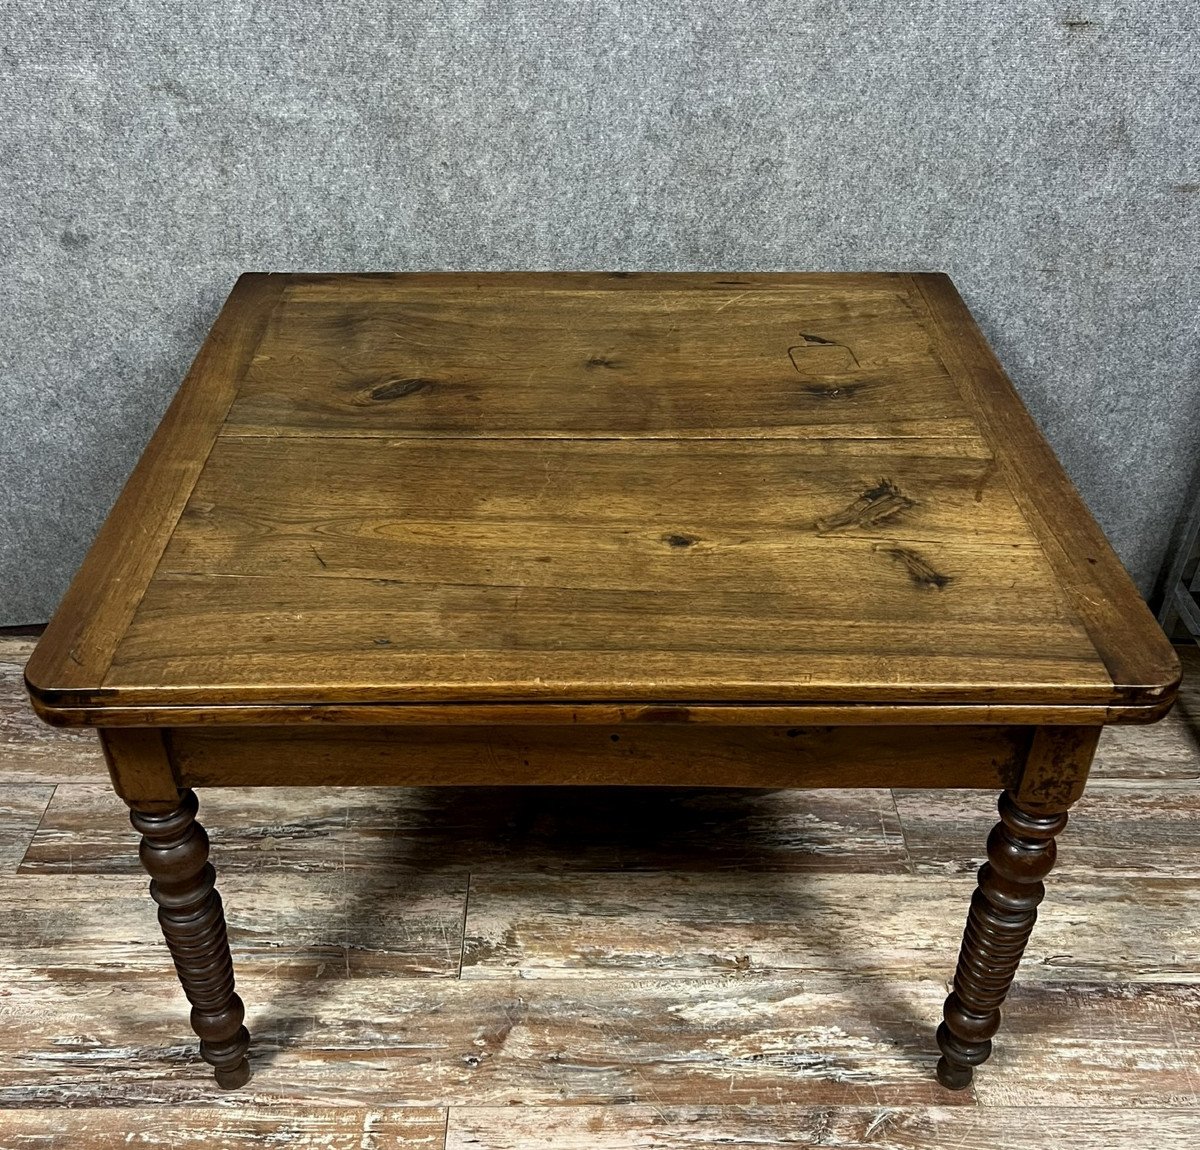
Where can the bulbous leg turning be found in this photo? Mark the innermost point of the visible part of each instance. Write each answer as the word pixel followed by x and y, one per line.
pixel 1021 853
pixel 174 851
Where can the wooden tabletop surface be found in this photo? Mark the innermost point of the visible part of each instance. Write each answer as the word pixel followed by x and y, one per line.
pixel 574 490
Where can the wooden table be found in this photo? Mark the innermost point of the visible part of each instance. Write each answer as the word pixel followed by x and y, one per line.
pixel 702 530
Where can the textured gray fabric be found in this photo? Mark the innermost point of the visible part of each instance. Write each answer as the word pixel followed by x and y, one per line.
pixel 1042 153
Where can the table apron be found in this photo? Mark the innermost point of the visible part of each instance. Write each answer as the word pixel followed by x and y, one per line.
pixel 1045 767
pixel 668 755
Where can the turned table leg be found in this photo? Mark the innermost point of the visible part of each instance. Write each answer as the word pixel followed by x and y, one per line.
pixel 1021 853
pixel 183 882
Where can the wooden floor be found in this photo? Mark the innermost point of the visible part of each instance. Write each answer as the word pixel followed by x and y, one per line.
pixel 530 968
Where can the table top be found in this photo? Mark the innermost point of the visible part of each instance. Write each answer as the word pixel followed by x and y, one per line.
pixel 383 495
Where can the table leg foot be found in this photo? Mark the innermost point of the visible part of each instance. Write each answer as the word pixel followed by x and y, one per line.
pixel 1021 853
pixel 174 851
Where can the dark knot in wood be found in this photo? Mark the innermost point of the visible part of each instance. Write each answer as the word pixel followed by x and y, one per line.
pixel 920 570
pixel 830 391
pixel 876 505
pixel 398 388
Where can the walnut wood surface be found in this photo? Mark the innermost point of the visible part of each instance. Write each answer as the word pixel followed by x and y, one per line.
pixel 594 714
pixel 541 490
pixel 649 755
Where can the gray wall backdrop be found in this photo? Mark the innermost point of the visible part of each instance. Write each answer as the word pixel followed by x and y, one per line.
pixel 1045 154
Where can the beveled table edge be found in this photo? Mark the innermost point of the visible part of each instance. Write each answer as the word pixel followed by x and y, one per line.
pixel 560 713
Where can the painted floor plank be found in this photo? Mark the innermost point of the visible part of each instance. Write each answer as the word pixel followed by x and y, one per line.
pixel 30 751
pixel 21 810
pixel 676 925
pixel 326 924
pixel 382 1041
pixel 1120 828
pixel 1166 749
pixel 1095 1044
pixel 494 829
pixel 836 1128
pixel 231 1128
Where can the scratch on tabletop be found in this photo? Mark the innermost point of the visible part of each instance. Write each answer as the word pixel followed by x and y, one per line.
pixel 734 300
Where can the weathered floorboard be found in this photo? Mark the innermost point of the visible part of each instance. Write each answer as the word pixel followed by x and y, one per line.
pixel 382 1041
pixel 751 1127
pixel 1095 1043
pixel 1167 749
pixel 677 924
pixel 494 828
pixel 21 809
pixel 1147 829
pixel 316 924
pixel 30 751
pixel 209 1128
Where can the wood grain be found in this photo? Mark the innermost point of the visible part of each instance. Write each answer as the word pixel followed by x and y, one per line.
pixel 1058 1023
pixel 140 767
pixel 492 571
pixel 488 570
pixel 294 923
pixel 384 714
pixel 31 751
pixel 638 505
pixel 651 755
pixel 388 1042
pixel 1118 620
pixel 479 356
pixel 1056 769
